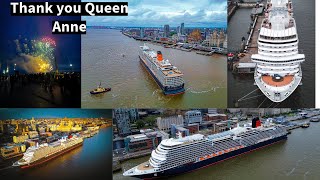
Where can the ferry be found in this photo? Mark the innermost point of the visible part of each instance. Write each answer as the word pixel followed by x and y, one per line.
pixel 278 62
pixel 168 77
pixel 186 154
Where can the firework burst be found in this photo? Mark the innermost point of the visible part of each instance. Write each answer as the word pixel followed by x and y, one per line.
pixel 40 53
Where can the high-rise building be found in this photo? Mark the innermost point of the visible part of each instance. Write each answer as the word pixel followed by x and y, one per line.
pixel 182 31
pixel 133 115
pixel 141 32
pixel 166 30
pixel 121 118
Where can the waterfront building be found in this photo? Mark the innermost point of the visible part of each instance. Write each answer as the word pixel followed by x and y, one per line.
pixel 182 38
pixel 12 150
pixel 224 125
pixel 215 117
pixel 133 115
pixel 221 39
pixel 122 120
pixel 139 142
pixel 164 124
pixel 163 135
pixel 1 126
pixel 212 111
pixel 33 134
pixel 141 32
pixel 166 30
pixel 193 128
pixel 264 111
pixel 20 139
pixel 182 30
pixel 176 130
pixel 194 37
pixel 225 42
pixel 52 127
pixel 191 117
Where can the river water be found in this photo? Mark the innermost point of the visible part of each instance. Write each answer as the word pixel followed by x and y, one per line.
pixel 297 158
pixel 91 160
pixel 240 85
pixel 112 58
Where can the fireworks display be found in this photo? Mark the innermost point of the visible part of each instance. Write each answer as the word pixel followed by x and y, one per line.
pixel 37 55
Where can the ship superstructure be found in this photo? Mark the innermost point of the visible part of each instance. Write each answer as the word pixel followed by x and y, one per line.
pixel 168 77
pixel 175 156
pixel 39 154
pixel 278 71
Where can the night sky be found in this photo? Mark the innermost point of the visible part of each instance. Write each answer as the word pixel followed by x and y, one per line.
pixel 34 27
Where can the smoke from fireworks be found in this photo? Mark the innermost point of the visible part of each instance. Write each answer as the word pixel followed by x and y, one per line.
pixel 35 56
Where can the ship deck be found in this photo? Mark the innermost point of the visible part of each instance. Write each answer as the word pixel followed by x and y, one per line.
pixel 171 73
pixel 142 167
pixel 270 81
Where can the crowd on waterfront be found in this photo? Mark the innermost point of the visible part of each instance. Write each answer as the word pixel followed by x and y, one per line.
pixel 41 89
pixel 46 80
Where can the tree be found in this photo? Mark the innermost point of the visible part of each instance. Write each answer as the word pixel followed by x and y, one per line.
pixel 140 124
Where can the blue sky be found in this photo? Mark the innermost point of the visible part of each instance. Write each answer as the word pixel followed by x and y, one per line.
pixel 156 13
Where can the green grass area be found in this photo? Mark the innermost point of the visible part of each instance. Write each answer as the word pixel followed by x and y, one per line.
pixel 147 122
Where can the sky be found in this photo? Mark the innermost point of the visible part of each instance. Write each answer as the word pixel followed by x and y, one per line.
pixel 156 13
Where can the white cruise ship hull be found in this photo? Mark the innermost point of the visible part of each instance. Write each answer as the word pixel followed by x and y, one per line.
pixel 277 93
pixel 202 164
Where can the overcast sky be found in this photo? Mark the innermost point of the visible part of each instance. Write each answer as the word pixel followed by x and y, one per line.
pixel 156 13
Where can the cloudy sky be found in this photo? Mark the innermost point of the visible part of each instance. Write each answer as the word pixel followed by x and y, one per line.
pixel 156 13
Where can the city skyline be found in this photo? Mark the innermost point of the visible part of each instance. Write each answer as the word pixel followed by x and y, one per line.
pixel 208 13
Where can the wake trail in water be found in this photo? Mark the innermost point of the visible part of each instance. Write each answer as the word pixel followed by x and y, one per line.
pixel 288 174
pixel 204 91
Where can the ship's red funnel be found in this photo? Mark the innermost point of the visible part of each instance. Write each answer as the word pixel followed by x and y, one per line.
pixel 159 56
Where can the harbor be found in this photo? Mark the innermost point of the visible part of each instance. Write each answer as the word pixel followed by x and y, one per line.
pixel 199 49
pixel 242 89
pixel 133 86
pixel 239 61
pixel 81 145
pixel 290 159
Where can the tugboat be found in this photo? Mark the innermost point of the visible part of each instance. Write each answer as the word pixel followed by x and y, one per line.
pixel 100 90
pixel 305 125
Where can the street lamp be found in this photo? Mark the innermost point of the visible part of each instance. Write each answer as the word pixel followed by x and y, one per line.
pixel 14 66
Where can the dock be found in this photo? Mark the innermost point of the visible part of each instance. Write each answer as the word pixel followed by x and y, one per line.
pixel 132 155
pixel 243 63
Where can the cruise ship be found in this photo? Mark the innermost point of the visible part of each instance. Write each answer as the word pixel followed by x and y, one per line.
pixel 39 154
pixel 168 77
pixel 278 70
pixel 185 154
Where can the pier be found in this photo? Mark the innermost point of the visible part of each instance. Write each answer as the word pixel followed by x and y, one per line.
pixel 241 62
pixel 202 50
